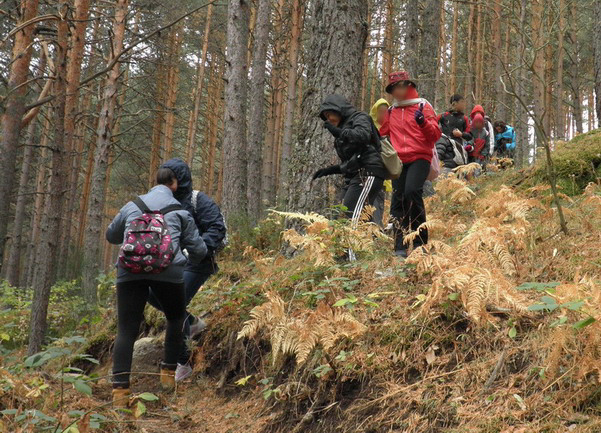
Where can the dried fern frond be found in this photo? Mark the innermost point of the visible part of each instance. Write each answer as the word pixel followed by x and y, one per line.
pixel 308 218
pixel 468 170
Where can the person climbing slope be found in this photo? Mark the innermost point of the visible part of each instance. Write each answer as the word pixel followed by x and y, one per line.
pixel 211 226
pixel 505 140
pixel 379 113
pixel 153 230
pixel 413 129
pixel 454 123
pixel 357 144
pixel 481 131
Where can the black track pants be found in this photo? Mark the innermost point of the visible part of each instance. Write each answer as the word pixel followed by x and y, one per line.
pixel 359 191
pixel 131 299
pixel 407 206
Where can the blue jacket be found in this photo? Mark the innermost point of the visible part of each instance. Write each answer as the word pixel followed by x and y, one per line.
pixel 207 215
pixel 507 137
pixel 183 231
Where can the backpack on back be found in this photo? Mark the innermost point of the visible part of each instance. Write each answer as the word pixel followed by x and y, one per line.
pixel 148 247
pixel 390 158
pixel 460 157
pixel 225 241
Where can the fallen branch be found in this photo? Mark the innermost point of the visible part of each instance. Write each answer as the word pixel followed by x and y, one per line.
pixel 496 370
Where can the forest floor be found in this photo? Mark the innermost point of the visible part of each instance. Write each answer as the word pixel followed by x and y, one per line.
pixel 495 327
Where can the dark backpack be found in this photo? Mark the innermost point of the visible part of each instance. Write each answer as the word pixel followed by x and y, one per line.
pixel 225 241
pixel 148 247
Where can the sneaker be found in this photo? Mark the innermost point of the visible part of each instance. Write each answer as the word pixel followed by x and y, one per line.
pixel 197 327
pixel 183 371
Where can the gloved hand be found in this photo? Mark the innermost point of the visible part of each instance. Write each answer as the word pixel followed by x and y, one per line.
pixel 419 115
pixel 469 148
pixel 334 130
pixel 333 169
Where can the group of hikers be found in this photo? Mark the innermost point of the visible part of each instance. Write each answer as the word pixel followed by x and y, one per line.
pixel 170 236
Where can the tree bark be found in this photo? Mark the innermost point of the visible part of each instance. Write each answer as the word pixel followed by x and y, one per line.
pixel 454 52
pixel 50 236
pixel 428 51
pixel 256 118
pixel 559 111
pixel 337 33
pixel 412 38
pixel 103 143
pixel 521 114
pixel 597 47
pixel 14 108
pixel 291 96
pixel 498 108
pixel 236 91
pixel 172 83
pixel 200 78
pixel 538 64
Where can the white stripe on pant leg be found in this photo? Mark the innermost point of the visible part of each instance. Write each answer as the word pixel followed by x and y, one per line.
pixel 361 201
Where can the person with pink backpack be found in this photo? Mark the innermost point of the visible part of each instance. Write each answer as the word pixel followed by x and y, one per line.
pixel 153 231
pixel 413 129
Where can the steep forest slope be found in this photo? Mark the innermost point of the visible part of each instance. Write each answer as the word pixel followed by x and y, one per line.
pixel 494 327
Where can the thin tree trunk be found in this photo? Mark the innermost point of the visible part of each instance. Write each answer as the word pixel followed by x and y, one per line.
pixel 172 83
pixel 497 108
pixel 454 52
pixel 327 56
pixel 13 270
pixel 291 96
pixel 365 72
pixel 157 126
pixel 76 51
pixel 256 118
pixel 521 114
pixel 538 65
pixel 14 108
pixel 559 111
pixel 469 70
pixel 214 125
pixel 388 42
pixel 236 90
pixel 597 48
pixel 101 156
pixel 200 78
pixel 50 235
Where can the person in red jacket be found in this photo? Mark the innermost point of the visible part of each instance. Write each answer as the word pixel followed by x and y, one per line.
pixel 483 136
pixel 413 129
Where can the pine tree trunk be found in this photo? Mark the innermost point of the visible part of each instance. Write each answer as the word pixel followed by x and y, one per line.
pixel 101 155
pixel 538 65
pixel 365 72
pixel 256 118
pixel 454 52
pixel 428 51
pixel 388 42
pixel 214 124
pixel 412 38
pixel 50 236
pixel 234 126
pixel 13 270
pixel 200 77
pixel 498 107
pixel 597 47
pixel 157 126
pixel 291 96
pixel 172 83
pixel 14 108
pixel 521 115
pixel 328 71
pixel 559 111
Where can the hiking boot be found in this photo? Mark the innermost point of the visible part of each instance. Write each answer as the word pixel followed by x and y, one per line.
pixel 121 398
pixel 197 326
pixel 401 254
pixel 168 376
pixel 183 371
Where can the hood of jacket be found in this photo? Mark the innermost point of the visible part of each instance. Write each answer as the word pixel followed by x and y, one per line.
pixel 477 110
pixel 374 111
pixel 339 104
pixel 183 175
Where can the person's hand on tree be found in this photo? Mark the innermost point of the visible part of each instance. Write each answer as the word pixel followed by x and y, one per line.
pixel 333 169
pixel 334 130
pixel 420 119
pixel 457 133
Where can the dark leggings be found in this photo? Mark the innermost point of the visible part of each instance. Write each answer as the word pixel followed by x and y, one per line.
pixel 407 206
pixel 131 299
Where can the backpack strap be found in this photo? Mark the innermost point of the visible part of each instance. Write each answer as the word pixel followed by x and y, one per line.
pixel 141 205
pixel 171 208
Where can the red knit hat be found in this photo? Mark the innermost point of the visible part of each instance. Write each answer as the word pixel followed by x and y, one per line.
pixel 396 77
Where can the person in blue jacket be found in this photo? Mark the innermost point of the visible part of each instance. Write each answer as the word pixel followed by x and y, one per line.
pixel 504 139
pixel 212 229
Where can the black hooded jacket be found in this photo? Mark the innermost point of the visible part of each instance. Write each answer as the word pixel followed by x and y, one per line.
pixel 358 146
pixel 207 215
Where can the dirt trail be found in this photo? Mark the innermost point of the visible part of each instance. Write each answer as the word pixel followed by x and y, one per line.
pixel 199 409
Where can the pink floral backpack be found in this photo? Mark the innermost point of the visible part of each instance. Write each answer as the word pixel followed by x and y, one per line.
pixel 148 248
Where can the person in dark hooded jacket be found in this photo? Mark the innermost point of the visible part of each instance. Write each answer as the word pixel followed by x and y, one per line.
pixel 357 144
pixel 212 229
